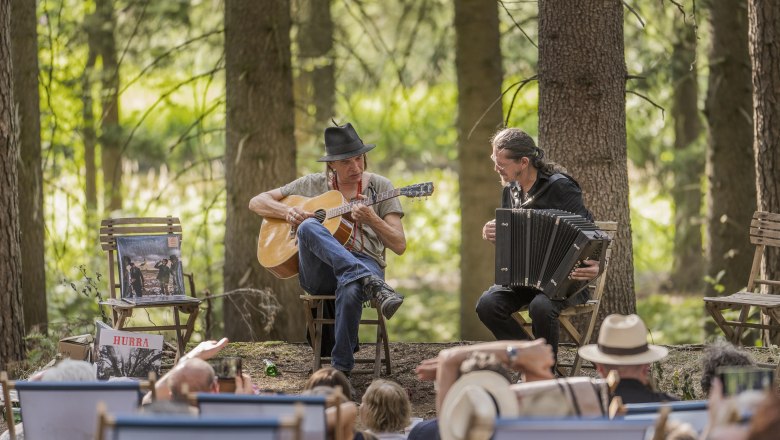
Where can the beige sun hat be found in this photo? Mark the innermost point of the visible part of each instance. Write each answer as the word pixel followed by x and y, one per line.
pixel 623 341
pixel 472 404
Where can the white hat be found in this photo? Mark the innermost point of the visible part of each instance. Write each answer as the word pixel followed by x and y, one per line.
pixel 475 398
pixel 623 341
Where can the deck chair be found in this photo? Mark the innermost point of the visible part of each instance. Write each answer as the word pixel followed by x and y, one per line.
pixel 566 429
pixel 178 427
pixel 110 230
pixel 313 424
pixel 67 410
pixel 590 309
pixel 764 232
pixel 693 412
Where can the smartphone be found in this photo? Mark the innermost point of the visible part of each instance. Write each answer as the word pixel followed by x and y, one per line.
pixel 737 380
pixel 226 368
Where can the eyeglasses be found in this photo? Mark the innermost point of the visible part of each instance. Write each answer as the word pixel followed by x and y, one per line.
pixel 498 165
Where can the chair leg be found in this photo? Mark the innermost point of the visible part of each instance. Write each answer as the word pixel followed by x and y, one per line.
pixel 378 348
pixel 179 338
pixel 717 315
pixel 743 315
pixel 318 336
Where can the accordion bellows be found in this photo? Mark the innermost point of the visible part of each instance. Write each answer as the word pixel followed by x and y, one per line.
pixel 539 248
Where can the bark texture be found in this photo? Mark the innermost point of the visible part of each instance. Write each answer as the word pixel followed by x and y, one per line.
pixel 478 65
pixel 582 119
pixel 729 108
pixel 260 156
pixel 11 313
pixel 764 37
pixel 24 51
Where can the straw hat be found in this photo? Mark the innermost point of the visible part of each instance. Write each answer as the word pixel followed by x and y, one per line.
pixel 476 398
pixel 623 341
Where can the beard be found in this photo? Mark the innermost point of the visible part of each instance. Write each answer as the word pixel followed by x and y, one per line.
pixel 506 180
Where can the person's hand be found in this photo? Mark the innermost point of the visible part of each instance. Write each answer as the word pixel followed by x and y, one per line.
pixel 362 213
pixel 427 369
pixel 489 231
pixel 205 350
pixel 535 360
pixel 586 272
pixel 296 216
pixel 244 384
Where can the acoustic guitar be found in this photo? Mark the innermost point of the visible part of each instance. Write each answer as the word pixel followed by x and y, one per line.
pixel 277 246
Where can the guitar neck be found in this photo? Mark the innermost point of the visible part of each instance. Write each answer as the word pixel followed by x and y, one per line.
pixel 381 197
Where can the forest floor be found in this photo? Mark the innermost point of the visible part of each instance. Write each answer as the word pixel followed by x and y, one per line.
pixel 678 374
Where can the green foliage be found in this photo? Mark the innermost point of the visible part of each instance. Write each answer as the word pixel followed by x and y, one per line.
pixel 672 320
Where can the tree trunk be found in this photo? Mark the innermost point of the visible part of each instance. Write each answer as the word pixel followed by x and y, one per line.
pixel 315 88
pixel 260 155
pixel 729 108
pixel 11 312
pixel 764 43
pixel 24 48
pixel 582 119
pixel 91 27
pixel 478 65
pixel 688 266
pixel 110 132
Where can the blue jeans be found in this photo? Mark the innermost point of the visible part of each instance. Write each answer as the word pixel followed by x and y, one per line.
pixel 325 267
pixel 496 306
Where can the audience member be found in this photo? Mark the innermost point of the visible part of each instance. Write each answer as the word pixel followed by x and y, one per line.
pixel 193 371
pixel 331 382
pixel 66 370
pixel 721 353
pixel 622 347
pixel 331 377
pixel 385 410
pixel 533 359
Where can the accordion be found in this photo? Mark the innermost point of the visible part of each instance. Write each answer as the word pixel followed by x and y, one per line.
pixel 539 248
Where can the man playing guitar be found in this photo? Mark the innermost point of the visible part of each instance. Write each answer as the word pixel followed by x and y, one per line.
pixel 355 270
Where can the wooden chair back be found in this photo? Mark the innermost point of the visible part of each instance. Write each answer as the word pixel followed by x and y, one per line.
pixel 764 231
pixel 598 285
pixel 111 228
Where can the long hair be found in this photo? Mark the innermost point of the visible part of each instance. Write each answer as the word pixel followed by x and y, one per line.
pixel 385 407
pixel 329 377
pixel 519 144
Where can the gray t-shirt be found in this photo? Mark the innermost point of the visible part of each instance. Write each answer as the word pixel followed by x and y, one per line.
pixel 316 184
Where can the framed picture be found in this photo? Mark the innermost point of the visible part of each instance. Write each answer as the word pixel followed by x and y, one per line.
pixel 150 267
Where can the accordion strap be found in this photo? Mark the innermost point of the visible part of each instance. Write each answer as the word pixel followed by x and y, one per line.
pixel 553 178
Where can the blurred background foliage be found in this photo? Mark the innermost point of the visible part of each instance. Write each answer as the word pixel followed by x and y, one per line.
pixel 395 82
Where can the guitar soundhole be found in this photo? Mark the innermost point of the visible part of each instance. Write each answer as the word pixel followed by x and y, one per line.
pixel 320 215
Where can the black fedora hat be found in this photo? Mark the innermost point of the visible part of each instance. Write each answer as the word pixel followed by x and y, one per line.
pixel 343 142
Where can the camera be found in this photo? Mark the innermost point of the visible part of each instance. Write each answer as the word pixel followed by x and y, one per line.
pixel 739 379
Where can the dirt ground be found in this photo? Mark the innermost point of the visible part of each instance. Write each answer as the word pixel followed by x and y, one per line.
pixel 679 373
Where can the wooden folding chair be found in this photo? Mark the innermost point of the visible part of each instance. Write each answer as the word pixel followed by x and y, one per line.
pixel 110 229
pixel 312 409
pixel 315 320
pixel 590 309
pixel 179 427
pixel 568 428
pixel 62 409
pixel 764 232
